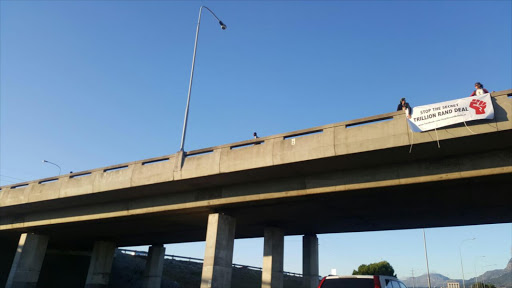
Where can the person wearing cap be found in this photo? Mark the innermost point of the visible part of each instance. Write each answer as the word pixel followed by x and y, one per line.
pixel 404 106
pixel 479 90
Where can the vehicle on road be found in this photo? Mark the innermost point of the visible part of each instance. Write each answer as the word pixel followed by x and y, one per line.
pixel 361 281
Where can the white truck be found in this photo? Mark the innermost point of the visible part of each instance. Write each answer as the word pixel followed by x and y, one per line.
pixel 361 281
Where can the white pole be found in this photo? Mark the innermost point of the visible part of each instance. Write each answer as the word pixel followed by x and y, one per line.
pixel 461 266
pixel 426 257
pixel 190 83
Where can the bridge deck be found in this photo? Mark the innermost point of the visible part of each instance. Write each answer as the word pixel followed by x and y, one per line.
pixel 351 176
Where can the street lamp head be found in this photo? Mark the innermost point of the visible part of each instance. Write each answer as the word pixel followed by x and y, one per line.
pixel 44 161
pixel 222 25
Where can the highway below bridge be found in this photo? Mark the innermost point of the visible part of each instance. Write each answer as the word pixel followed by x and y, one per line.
pixel 361 175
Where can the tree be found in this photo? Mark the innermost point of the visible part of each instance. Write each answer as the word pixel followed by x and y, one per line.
pixel 380 268
pixel 482 285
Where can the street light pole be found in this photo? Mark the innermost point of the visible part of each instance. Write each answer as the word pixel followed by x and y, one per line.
pixel 223 26
pixel 476 275
pixel 46 161
pixel 413 280
pixel 461 266
pixel 426 257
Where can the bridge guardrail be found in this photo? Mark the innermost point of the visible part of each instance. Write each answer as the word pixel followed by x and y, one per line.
pixel 198 260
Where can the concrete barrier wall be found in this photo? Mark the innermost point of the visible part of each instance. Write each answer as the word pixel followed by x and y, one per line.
pixel 383 132
pixel 234 158
pixel 312 144
pixel 78 184
pixel 153 171
pixel 199 164
pixel 503 110
pixel 44 190
pixel 355 136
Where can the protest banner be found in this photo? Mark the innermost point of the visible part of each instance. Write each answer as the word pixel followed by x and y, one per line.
pixel 433 116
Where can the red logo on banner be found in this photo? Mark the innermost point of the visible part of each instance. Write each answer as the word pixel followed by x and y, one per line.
pixel 478 105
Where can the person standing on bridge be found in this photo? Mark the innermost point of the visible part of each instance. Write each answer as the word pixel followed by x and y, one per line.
pixel 404 106
pixel 479 90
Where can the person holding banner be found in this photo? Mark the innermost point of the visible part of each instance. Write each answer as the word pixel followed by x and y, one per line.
pixel 479 90
pixel 404 106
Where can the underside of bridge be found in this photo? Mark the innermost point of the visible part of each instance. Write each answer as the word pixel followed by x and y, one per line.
pixel 479 200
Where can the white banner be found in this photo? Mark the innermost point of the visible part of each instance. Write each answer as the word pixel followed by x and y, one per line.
pixel 433 116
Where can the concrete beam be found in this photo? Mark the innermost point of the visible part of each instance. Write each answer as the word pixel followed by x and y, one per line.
pixel 218 258
pixel 154 267
pixel 273 253
pixel 100 265
pixel 27 262
pixel 310 261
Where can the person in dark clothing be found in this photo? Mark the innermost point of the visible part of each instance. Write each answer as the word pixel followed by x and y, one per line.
pixel 404 106
pixel 479 90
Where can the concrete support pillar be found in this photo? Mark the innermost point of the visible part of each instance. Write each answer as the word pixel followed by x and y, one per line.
pixel 218 256
pixel 27 262
pixel 100 265
pixel 273 253
pixel 154 267
pixel 310 261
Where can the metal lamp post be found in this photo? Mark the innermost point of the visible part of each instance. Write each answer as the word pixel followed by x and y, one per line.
pixel 46 161
pixel 476 275
pixel 426 257
pixel 223 26
pixel 461 266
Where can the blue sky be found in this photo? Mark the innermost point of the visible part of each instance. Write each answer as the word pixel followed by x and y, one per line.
pixel 88 84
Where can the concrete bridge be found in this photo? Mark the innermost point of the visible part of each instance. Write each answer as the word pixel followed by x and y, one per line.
pixel 361 175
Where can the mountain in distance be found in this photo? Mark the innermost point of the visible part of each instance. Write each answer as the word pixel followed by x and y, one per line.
pixel 436 280
pixel 497 277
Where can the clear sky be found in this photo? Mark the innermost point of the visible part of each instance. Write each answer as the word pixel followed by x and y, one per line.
pixel 87 84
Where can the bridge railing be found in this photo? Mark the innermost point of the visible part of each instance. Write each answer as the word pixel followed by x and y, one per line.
pixel 198 260
pixel 354 136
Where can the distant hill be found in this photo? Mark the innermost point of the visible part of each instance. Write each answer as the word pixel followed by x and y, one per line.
pixel 498 277
pixel 437 280
pixel 489 275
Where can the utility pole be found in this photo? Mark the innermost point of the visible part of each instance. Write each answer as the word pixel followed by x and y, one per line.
pixel 413 280
pixel 426 257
